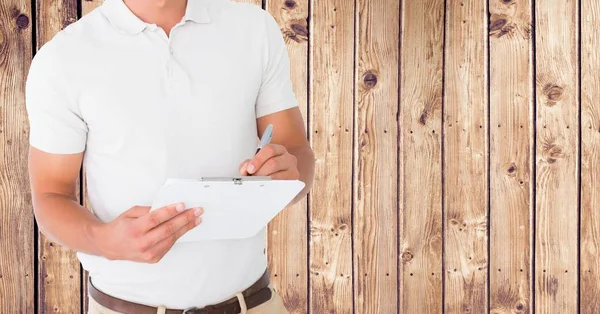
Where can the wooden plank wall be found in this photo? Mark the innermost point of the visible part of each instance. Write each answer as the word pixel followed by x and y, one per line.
pixel 511 149
pixel 457 149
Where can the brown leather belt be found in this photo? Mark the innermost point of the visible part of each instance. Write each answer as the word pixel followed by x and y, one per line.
pixel 254 296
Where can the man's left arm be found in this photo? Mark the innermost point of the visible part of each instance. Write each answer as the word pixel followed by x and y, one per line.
pixel 289 156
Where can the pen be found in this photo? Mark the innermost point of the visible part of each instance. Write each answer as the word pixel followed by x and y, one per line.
pixel 266 138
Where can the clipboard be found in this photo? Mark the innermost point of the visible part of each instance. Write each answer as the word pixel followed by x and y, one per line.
pixel 234 207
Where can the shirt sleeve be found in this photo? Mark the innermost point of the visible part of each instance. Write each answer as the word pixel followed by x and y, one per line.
pixel 276 91
pixel 55 125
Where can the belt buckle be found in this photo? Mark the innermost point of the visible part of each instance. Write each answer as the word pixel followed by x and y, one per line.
pixel 189 310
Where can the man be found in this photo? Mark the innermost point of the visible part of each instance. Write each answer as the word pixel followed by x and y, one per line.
pixel 139 91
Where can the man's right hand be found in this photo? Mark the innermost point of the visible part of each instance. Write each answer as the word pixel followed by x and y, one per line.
pixel 143 236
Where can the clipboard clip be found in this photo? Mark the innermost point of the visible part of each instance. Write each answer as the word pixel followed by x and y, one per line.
pixel 236 180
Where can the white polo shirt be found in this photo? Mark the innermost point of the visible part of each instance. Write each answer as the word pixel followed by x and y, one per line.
pixel 145 107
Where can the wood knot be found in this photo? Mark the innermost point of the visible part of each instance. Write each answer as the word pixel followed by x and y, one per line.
pixel 499 26
pixel 300 30
pixel 554 93
pixel 22 21
pixel 290 4
pixel 407 257
pixel 369 79
pixel 496 23
pixel 507 1
pixel 297 31
pixel 552 152
pixel 343 227
pixel 423 118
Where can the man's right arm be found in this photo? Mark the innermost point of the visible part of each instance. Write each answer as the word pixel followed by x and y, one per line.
pixel 136 235
pixel 59 216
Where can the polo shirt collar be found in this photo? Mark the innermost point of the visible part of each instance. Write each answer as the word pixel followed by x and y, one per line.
pixel 125 21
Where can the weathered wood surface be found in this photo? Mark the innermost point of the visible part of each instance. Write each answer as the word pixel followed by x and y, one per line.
pixel 375 176
pixel 590 157
pixel 59 282
pixel 557 84
pixel 420 184
pixel 331 129
pixel 466 157
pixel 511 156
pixel 17 247
pixel 289 267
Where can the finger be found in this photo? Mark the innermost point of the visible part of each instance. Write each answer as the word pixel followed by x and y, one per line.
pixel 170 227
pixel 265 153
pixel 273 165
pixel 162 247
pixel 290 174
pixel 136 211
pixel 243 166
pixel 157 217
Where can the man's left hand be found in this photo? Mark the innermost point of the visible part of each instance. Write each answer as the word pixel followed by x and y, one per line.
pixel 273 161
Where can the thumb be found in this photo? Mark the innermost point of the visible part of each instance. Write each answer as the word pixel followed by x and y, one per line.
pixel 243 166
pixel 136 211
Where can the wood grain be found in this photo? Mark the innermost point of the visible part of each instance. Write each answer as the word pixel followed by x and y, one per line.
pixel 556 269
pixel 420 121
pixel 59 285
pixel 17 248
pixel 465 157
pixel 590 157
pixel 287 244
pixel 375 227
pixel 511 156
pixel 331 127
